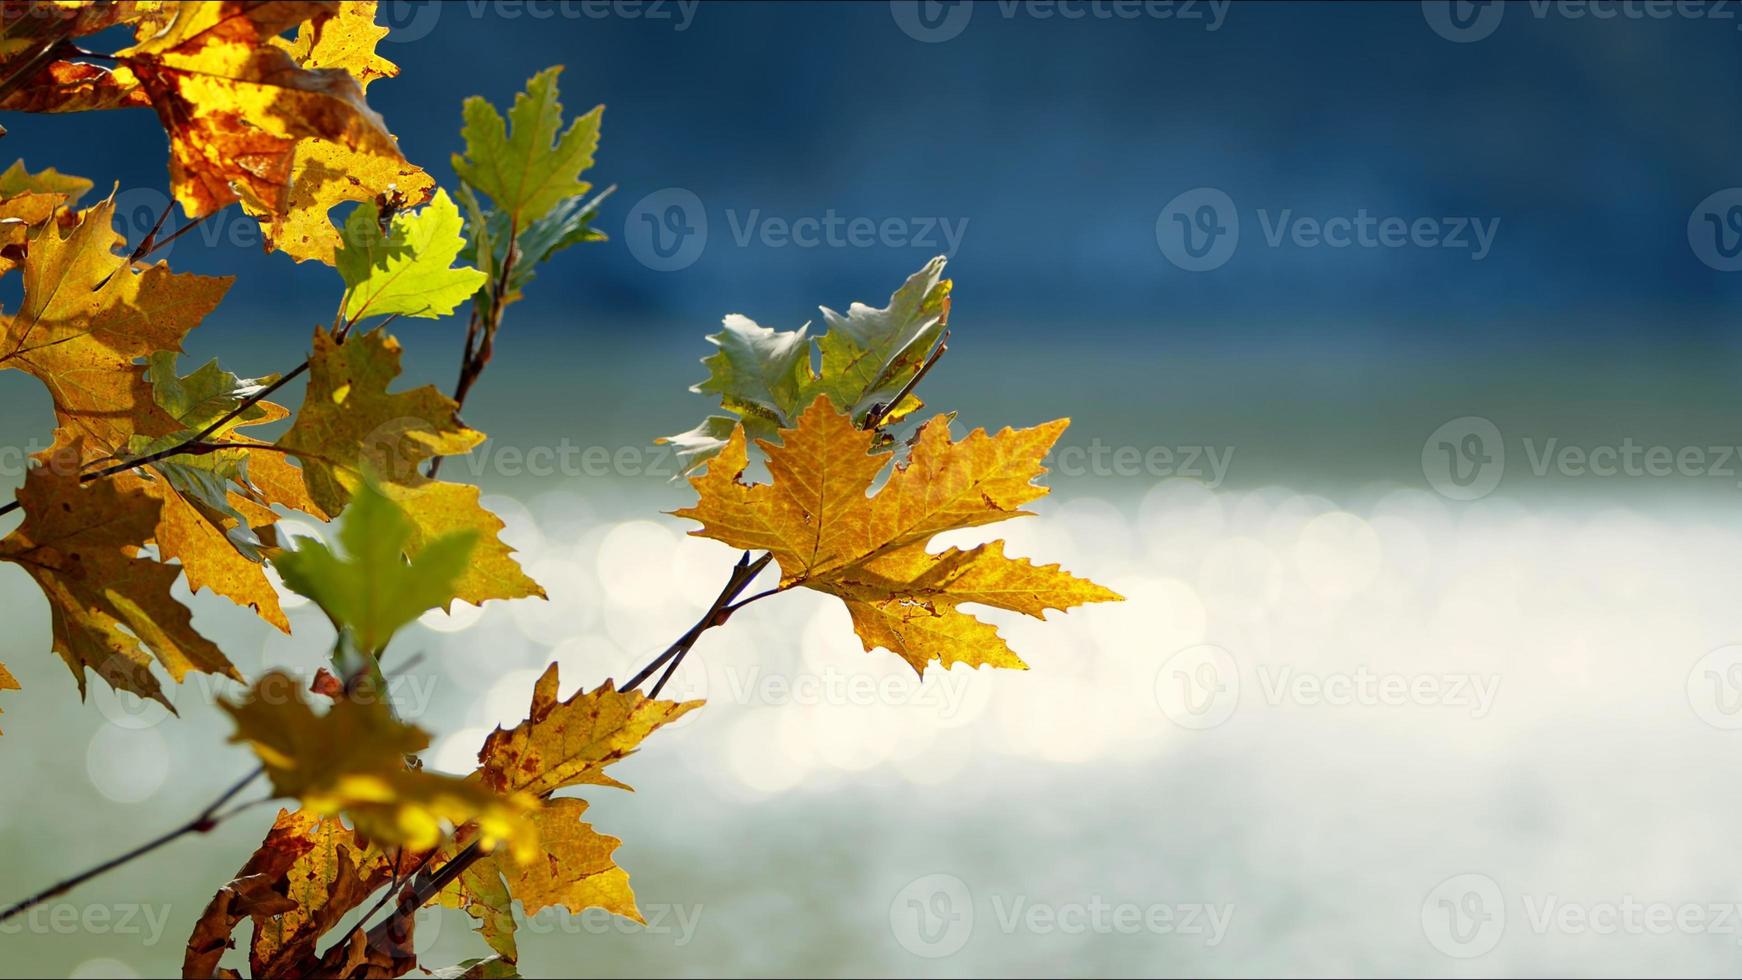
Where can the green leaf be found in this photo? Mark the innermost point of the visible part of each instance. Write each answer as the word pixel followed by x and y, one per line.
pixel 410 269
pixel 569 223
pixel 208 394
pixel 373 591
pixel 17 180
pixel 525 167
pixel 868 356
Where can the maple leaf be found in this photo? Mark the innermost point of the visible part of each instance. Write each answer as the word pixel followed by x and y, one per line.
pixel 373 592
pixel 828 534
pixel 352 761
pixel 350 424
pixel 570 222
pixel 87 315
pixel 307 875
pixel 86 318
pixel 410 269
pixel 217 504
pixel 868 357
pixel 570 743
pixel 560 744
pixel 27 200
pixel 324 173
pixel 522 163
pixel 235 103
pixel 111 608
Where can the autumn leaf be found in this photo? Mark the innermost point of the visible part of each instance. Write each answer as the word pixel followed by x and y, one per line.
pixel 868 357
pixel 306 876
pixel 111 607
pixel 350 425
pixel 235 103
pixel 570 743
pixel 325 173
pixel 409 270
pixel 522 163
pixel 7 681
pixel 352 760
pixel 372 592
pixel 28 200
pixel 87 315
pixel 560 744
pixel 828 534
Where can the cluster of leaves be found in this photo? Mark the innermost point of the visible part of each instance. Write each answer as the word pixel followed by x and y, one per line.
pixel 155 475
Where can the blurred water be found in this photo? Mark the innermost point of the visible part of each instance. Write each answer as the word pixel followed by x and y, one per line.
pixel 1383 733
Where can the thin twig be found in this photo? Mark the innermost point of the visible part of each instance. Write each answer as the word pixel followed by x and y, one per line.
pixel 193 445
pixel 481 335
pixel 878 412
pixel 207 819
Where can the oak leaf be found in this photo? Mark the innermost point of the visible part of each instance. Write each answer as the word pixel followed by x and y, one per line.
pixel 828 534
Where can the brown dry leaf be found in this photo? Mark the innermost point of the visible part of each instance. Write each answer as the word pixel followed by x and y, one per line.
pixel 829 534
pixel 111 608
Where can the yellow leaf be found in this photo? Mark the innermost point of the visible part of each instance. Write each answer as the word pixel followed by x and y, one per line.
pixel 7 681
pixel 350 424
pixel 324 175
pixel 111 609
pixel 829 534
pixel 235 103
pixel 346 41
pixel 353 760
pixel 85 317
pixel 570 743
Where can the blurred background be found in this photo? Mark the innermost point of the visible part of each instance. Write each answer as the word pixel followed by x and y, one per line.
pixel 1399 344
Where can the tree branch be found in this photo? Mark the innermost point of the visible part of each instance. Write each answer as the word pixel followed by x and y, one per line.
pixel 207 819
